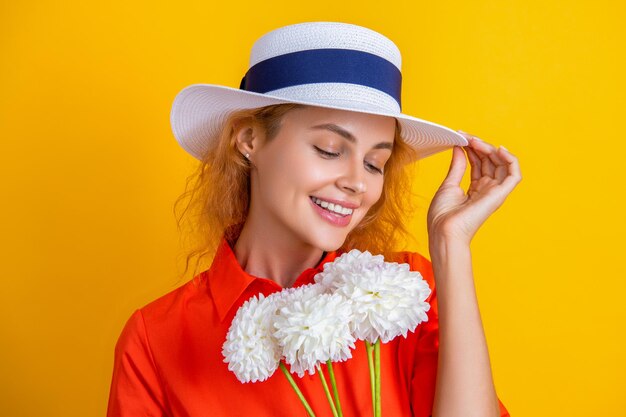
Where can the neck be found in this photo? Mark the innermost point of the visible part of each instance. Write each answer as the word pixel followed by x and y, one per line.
pixel 263 253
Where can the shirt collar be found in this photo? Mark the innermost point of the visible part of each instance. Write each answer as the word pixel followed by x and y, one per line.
pixel 227 280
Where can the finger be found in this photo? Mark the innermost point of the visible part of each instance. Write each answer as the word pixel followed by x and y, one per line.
pixel 489 160
pixel 484 151
pixel 514 174
pixel 500 164
pixel 457 167
pixel 502 169
pixel 474 163
pixel 490 150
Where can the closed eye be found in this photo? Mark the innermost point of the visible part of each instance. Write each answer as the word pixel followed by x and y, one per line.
pixel 373 168
pixel 370 167
pixel 326 153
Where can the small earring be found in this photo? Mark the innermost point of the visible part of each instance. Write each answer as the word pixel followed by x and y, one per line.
pixel 247 155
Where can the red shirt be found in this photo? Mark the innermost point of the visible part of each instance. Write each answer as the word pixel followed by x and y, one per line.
pixel 168 359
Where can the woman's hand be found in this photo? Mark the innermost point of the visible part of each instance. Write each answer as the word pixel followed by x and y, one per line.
pixel 494 174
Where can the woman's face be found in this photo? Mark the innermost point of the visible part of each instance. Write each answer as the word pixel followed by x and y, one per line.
pixel 315 181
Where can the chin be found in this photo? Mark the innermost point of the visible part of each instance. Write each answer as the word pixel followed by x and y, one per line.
pixel 331 248
pixel 329 243
pixel 331 239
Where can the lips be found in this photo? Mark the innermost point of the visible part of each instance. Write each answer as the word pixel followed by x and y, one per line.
pixel 331 217
pixel 332 207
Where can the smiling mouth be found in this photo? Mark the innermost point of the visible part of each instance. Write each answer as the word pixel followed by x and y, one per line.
pixel 333 208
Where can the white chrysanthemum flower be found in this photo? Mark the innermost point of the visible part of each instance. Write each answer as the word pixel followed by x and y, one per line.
pixel 388 299
pixel 313 327
pixel 331 277
pixel 250 349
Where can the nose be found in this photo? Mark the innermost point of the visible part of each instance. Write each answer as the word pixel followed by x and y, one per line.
pixel 353 179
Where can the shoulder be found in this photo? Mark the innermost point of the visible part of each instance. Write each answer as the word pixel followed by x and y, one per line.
pixel 179 295
pixel 132 335
pixel 157 321
pixel 170 307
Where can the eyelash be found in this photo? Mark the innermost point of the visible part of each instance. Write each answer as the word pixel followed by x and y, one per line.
pixel 326 153
pixel 375 169
pixel 334 155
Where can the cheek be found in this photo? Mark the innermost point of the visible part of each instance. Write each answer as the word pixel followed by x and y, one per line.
pixel 375 191
pixel 373 194
pixel 293 173
pixel 310 172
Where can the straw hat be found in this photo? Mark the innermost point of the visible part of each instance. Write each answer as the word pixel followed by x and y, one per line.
pixel 328 64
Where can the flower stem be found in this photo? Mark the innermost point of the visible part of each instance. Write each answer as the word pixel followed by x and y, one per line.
pixel 370 361
pixel 377 371
pixel 296 389
pixel 327 391
pixel 333 382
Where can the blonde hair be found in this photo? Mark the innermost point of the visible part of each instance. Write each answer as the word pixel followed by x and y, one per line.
pixel 218 193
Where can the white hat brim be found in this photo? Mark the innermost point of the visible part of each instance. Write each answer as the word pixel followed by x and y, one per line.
pixel 200 110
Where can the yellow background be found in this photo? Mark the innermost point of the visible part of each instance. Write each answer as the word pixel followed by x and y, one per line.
pixel 90 171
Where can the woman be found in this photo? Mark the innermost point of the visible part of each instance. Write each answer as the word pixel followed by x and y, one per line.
pixel 302 163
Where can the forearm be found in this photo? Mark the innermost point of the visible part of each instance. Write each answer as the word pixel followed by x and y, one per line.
pixel 464 380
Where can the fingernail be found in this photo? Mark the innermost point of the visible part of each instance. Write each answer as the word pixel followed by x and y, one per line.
pixel 505 149
pixel 470 136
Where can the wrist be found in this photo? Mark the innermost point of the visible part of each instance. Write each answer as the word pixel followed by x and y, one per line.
pixel 443 248
pixel 446 235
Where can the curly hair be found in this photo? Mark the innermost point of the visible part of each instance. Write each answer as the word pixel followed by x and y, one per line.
pixel 217 194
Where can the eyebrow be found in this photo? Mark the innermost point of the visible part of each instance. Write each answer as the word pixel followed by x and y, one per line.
pixel 349 136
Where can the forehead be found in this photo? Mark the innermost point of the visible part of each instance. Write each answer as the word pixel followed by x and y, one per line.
pixel 357 123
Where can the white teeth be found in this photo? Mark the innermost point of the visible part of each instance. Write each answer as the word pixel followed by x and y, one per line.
pixel 336 208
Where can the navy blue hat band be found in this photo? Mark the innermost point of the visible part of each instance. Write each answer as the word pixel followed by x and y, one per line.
pixel 324 66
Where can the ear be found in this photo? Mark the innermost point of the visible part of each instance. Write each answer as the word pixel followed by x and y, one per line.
pixel 247 136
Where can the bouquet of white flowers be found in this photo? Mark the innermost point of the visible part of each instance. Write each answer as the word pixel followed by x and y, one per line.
pixel 358 296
